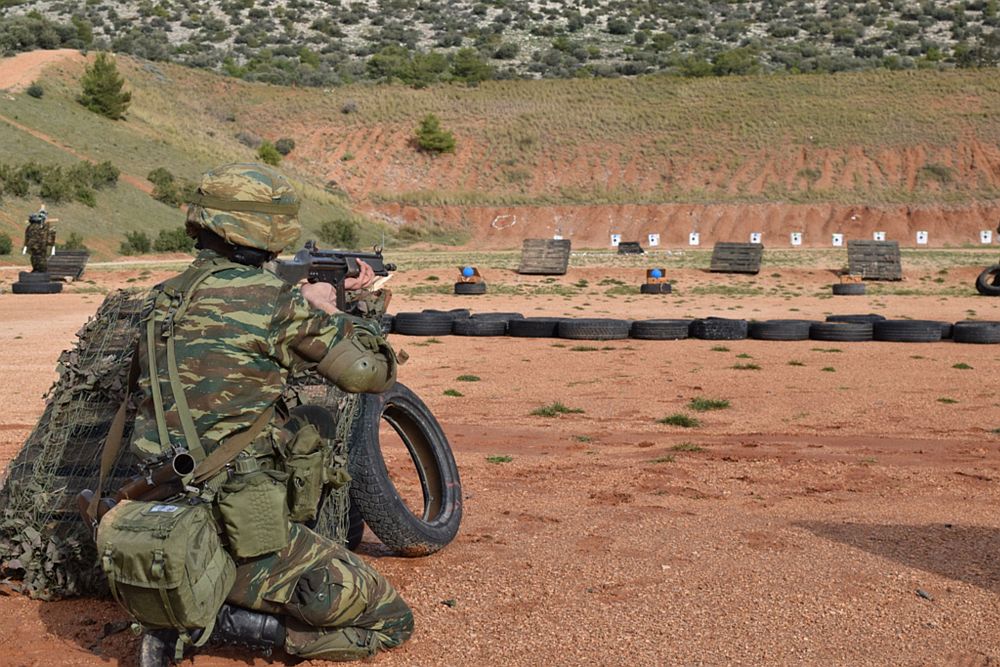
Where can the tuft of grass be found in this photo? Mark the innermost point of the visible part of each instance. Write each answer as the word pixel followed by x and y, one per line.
pixel 687 447
pixel 795 362
pixel 826 349
pixel 468 378
pixel 868 461
pixel 679 419
pixel 702 404
pixel 946 400
pixel 453 392
pixel 667 458
pixel 746 367
pixel 499 459
pixel 719 348
pixel 829 369
pixel 962 366
pixel 583 348
pixel 743 355
pixel 554 409
pixel 582 438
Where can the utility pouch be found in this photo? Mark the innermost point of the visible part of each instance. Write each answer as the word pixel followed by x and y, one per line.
pixel 305 462
pixel 254 512
pixel 165 563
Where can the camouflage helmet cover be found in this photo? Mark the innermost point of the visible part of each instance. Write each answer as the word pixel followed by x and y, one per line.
pixel 247 204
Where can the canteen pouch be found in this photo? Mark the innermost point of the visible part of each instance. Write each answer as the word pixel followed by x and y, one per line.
pixel 254 512
pixel 165 563
pixel 305 463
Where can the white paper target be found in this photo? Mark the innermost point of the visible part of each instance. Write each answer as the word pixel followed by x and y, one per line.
pixel 694 238
pixel 986 236
pixel 879 236
pixel 616 239
pixel 838 240
pixel 557 237
pixel 922 238
pixel 654 239
pixel 796 238
pixel 755 237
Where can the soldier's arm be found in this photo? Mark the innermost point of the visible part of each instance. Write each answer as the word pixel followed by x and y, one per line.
pixel 346 350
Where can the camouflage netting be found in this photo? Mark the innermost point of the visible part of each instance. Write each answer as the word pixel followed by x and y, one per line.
pixel 45 550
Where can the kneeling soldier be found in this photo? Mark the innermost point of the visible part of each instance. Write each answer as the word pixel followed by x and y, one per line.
pixel 217 345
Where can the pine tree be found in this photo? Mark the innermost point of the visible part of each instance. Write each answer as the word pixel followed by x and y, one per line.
pixel 102 89
pixel 431 137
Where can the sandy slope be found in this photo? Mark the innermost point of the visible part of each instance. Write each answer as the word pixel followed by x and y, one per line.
pixel 17 72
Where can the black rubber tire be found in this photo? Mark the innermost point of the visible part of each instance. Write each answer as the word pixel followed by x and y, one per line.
pixel 988 282
pixel 658 288
pixel 422 324
pixel 470 288
pixel 718 328
pixel 480 326
pixel 660 329
pixel 844 289
pixel 588 328
pixel 386 323
pixel 946 330
pixel 506 317
pixel 355 527
pixel 981 332
pixel 846 332
pixel 534 327
pixel 373 493
pixel 857 319
pixel 780 329
pixel 454 313
pixel 907 331
pixel 36 288
pixel 33 277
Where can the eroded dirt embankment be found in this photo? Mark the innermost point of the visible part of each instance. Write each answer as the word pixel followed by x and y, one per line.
pixel 497 227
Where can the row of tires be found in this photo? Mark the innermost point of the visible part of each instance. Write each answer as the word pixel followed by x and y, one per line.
pixel 841 328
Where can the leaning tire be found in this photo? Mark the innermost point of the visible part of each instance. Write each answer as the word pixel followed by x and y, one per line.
pixel 470 288
pixel 844 289
pixel 660 329
pixel 534 327
pixel 719 328
pixel 988 282
pixel 422 324
pixel 780 330
pixel 907 331
pixel 479 326
pixel 594 329
pixel 976 332
pixel 846 332
pixel 36 288
pixel 373 492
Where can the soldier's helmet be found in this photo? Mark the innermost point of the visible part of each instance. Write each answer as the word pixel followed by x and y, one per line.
pixel 37 217
pixel 247 204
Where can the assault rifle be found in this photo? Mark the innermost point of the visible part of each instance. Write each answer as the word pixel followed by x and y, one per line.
pixel 330 266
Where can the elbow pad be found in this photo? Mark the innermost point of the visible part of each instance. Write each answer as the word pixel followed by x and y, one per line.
pixel 360 363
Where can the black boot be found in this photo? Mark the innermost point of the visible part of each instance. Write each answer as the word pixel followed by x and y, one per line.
pixel 235 626
pixel 157 648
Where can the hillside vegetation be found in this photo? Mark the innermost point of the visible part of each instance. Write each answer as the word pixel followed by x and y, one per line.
pixel 325 42
pixel 922 138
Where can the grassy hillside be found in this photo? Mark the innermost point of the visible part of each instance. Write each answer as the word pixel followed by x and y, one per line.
pixel 922 138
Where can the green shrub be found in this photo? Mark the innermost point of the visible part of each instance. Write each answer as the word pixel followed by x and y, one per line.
pixel 135 243
pixel 340 232
pixel 678 419
pixel 432 138
pixel 102 89
pixel 6 244
pixel 268 154
pixel 173 240
pixel 35 90
pixel 284 145
pixel 73 242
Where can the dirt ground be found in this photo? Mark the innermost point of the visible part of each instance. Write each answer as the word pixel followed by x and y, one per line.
pixel 841 510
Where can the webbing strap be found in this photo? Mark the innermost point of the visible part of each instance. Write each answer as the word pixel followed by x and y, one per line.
pixel 154 380
pixel 244 206
pixel 113 441
pixel 228 451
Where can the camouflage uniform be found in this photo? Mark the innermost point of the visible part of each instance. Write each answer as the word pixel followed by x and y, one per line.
pixel 242 332
pixel 39 237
